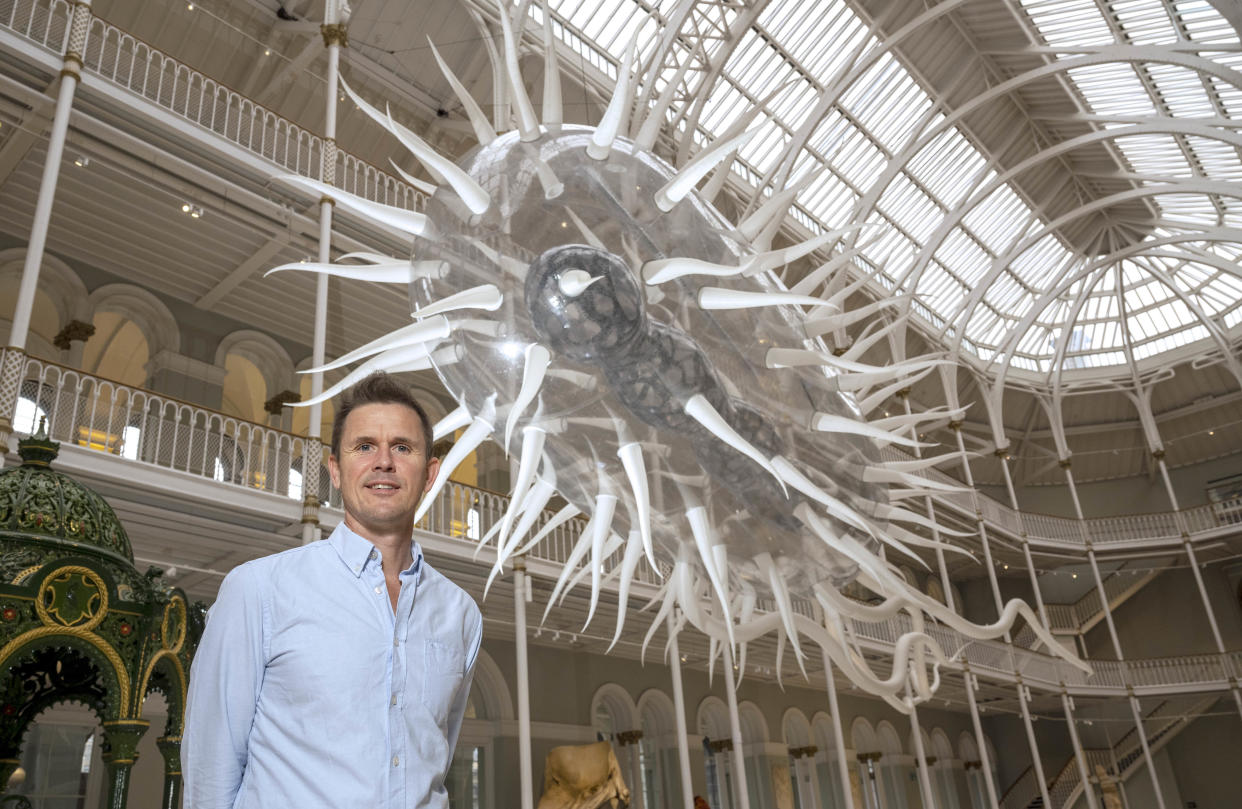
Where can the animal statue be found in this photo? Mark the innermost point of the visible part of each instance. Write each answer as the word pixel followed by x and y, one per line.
pixel 637 352
pixel 583 776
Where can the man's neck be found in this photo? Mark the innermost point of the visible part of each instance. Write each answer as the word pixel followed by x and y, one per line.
pixel 395 546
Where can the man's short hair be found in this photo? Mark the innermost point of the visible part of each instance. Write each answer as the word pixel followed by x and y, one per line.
pixel 378 388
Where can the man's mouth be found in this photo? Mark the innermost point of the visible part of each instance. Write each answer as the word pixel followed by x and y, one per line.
pixel 382 486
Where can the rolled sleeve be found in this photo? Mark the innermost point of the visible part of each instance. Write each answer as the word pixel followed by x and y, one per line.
pixel 225 679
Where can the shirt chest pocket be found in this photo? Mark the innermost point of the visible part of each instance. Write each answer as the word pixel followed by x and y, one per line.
pixel 444 666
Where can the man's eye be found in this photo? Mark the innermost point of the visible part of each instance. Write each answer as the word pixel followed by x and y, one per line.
pixel 363 447
pixel 402 448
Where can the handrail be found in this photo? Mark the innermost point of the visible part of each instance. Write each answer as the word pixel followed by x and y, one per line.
pixel 144 427
pixel 127 61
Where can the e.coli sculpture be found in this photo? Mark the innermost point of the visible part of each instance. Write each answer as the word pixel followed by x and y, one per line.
pixel 597 317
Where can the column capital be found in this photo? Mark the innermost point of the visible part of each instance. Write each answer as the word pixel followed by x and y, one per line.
pixel 335 34
pixel 803 752
pixel 1066 462
pixel 955 424
pixel 1002 452
pixel 1158 453
pixel 628 737
pixel 720 745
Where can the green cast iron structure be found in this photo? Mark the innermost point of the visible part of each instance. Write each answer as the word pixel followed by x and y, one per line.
pixel 79 623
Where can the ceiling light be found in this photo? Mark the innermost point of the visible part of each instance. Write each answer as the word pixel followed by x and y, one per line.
pixel 267 51
pixel 194 210
pixel 1073 575
pixel 81 161
pixel 189 6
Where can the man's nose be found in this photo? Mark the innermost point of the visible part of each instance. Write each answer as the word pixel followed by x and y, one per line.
pixel 383 458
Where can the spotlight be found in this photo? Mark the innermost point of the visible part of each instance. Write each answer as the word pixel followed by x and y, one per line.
pixel 193 209
pixel 1073 575
pixel 267 51
pixel 189 6
pixel 81 161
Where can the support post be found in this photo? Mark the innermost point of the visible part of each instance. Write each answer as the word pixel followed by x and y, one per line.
pixel 335 37
pixel 15 354
pixel 120 751
pixel 920 754
pixel 838 734
pixel 735 728
pixel 170 751
pixel 984 760
pixel 679 713
pixel 1080 757
pixel 523 684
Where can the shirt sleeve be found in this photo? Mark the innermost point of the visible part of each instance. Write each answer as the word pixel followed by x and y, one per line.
pixel 458 710
pixel 224 688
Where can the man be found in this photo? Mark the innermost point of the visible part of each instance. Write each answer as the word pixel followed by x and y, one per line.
pixel 336 674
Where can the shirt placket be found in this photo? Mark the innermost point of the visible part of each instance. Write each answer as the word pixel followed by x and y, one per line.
pixel 398 686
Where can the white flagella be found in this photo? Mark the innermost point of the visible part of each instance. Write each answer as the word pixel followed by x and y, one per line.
pixel 654 402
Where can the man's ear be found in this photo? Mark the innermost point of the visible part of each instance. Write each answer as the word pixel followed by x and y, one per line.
pixel 433 469
pixel 334 472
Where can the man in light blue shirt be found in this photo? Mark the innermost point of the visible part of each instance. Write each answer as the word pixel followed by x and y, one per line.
pixel 337 674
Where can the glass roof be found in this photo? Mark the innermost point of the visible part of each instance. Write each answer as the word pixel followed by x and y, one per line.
pixel 888 150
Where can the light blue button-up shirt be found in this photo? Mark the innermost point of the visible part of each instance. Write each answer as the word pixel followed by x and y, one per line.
pixel 308 690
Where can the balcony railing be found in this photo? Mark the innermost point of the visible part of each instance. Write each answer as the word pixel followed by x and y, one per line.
pixel 148 428
pixel 126 61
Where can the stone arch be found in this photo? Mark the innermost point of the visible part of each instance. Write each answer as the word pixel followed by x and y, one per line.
pixel 752 722
pixel 967 749
pixel 60 281
pixel 941 747
pixel 146 311
pixel 863 737
pixel 888 738
pixel 656 714
pixel 269 356
pixel 612 710
pixel 796 729
pixel 712 719
pixel 490 691
pixel 822 732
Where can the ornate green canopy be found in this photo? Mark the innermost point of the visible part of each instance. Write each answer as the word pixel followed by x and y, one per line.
pixel 79 623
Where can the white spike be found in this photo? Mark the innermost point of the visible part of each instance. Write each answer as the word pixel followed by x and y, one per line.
pixel 823 325
pixel 840 510
pixel 701 410
pixel 552 116
pixel 398 272
pixel 918 465
pixel 586 232
pixel 781 632
pixel 370 258
pixel 631 456
pixel 821 273
pixel 873 475
pixel 663 270
pixel 897 514
pixel 450 424
pixel 753 225
pixel 650 129
pixel 904 421
pixel 532 508
pixel 713 652
pixel 483 131
pixel 719 298
pixel 605 506
pixel 532 451
pixel 793 357
pixel 573 283
pixel 429 331
pixel 700 528
pixel 610 124
pixel 676 189
pixel 419 185
pixel 571 564
pixel 860 346
pixel 506 263
pixel 629 563
pixel 404 356
pixel 720 175
pixel 528 125
pixel 487 297
pixel 552 185
pixel 535 367
pixel 874 400
pixel 410 222
pixel 579 379
pixel 666 606
pixel 911 538
pixel 561 517
pixel 471 193
pixel 385 120
pixel 475 434
pixel 829 423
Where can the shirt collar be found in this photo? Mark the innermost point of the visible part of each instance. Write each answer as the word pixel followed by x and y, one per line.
pixel 356 552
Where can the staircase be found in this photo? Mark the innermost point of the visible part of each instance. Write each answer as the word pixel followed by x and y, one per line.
pixel 1162 724
pixel 1083 614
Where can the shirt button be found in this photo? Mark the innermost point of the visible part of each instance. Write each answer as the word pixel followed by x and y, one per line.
pixel 373 554
pixel 393 701
pixel 395 761
pixel 378 590
pixel 396 642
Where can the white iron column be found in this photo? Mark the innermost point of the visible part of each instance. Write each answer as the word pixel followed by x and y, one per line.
pixel 1157 453
pixel 920 754
pixel 984 761
pixel 523 684
pixel 735 728
pixel 15 355
pixel 1135 708
pixel 838 735
pixel 335 37
pixel 679 713
pixel 1080 757
pixel 1024 694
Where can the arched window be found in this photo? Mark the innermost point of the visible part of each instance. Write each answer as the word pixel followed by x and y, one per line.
pixel 796 731
pixel 944 771
pixel 754 733
pixel 713 723
pixel 831 786
pixel 657 750
pixel 976 786
pixel 868 753
pixel 615 719
pixel 895 767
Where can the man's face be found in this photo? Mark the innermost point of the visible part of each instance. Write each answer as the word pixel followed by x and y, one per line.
pixel 382 471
